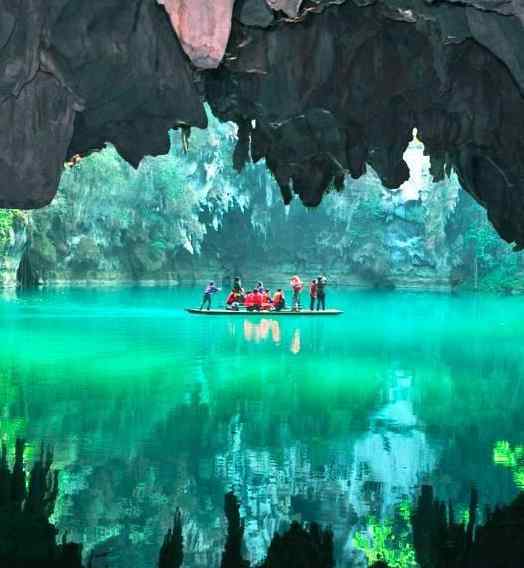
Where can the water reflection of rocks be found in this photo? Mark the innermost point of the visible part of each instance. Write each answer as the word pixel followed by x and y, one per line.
pixel 28 539
pixel 285 458
pixel 278 477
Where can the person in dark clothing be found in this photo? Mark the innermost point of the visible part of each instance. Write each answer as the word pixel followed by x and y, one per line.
pixel 238 291
pixel 321 293
pixel 313 290
pixel 237 284
pixel 208 292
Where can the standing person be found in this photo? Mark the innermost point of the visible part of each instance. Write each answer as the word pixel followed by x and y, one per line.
pixel 313 290
pixel 240 293
pixel 321 292
pixel 208 292
pixel 297 287
pixel 237 284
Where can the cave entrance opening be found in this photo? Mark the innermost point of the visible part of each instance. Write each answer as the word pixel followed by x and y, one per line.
pixel 419 165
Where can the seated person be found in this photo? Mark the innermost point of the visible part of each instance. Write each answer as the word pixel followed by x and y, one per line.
pixel 267 302
pixel 253 301
pixel 279 301
pixel 233 300
pixel 237 289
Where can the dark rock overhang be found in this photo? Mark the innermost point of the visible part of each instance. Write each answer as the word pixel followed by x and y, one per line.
pixel 319 88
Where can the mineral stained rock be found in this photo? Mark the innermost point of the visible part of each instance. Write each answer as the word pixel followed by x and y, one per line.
pixel 319 88
pixel 203 27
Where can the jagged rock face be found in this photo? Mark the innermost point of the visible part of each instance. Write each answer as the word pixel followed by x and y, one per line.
pixel 346 87
pixel 319 88
pixel 74 75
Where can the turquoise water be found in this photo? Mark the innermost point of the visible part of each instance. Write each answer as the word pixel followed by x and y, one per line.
pixel 333 419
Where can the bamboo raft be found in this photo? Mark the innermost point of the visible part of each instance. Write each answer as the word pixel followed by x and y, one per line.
pixel 267 313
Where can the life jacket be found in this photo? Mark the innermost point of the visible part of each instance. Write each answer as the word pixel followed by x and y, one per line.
pixel 296 284
pixel 313 289
pixel 250 300
pixel 231 298
pixel 278 298
pixel 267 302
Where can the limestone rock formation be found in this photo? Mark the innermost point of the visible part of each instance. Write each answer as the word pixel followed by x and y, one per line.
pixel 319 88
pixel 203 27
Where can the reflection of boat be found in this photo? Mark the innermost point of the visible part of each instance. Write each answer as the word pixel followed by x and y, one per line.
pixel 273 313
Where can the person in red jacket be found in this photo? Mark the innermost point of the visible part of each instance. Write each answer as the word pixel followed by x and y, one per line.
pixel 279 301
pixel 234 300
pixel 267 302
pixel 253 301
pixel 297 287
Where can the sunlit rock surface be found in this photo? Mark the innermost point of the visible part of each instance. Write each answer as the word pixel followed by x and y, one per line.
pixel 319 89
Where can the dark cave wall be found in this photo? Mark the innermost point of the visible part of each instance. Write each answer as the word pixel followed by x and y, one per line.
pixel 319 89
pixel 345 89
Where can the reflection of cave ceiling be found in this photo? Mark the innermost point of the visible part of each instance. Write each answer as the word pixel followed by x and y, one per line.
pixel 319 88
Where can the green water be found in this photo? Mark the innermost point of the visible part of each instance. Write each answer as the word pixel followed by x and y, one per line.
pixel 334 419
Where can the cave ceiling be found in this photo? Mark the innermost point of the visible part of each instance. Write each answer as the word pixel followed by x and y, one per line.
pixel 320 89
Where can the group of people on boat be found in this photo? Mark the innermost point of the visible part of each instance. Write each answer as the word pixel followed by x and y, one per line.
pixel 261 298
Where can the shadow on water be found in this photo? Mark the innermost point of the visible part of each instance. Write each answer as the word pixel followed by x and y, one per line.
pixel 29 540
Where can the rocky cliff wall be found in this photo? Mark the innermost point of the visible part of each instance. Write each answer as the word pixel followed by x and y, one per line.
pixel 186 220
pixel 319 88
pixel 13 243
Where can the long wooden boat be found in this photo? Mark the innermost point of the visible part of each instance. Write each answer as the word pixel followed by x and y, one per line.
pixel 271 314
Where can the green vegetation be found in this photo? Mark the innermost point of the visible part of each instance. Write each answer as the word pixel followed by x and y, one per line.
pixel 512 458
pixel 188 212
pixel 8 220
pixel 389 541
pixel 107 214
pixel 490 264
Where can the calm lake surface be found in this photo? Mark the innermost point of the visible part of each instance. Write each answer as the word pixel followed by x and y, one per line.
pixel 339 420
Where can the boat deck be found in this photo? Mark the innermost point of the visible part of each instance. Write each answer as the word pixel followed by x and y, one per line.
pixel 273 313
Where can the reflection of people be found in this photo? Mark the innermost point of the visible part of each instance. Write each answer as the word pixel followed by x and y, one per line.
pixel 208 292
pixel 321 292
pixel 260 331
pixel 295 342
pixel 276 336
pixel 313 288
pixel 296 286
